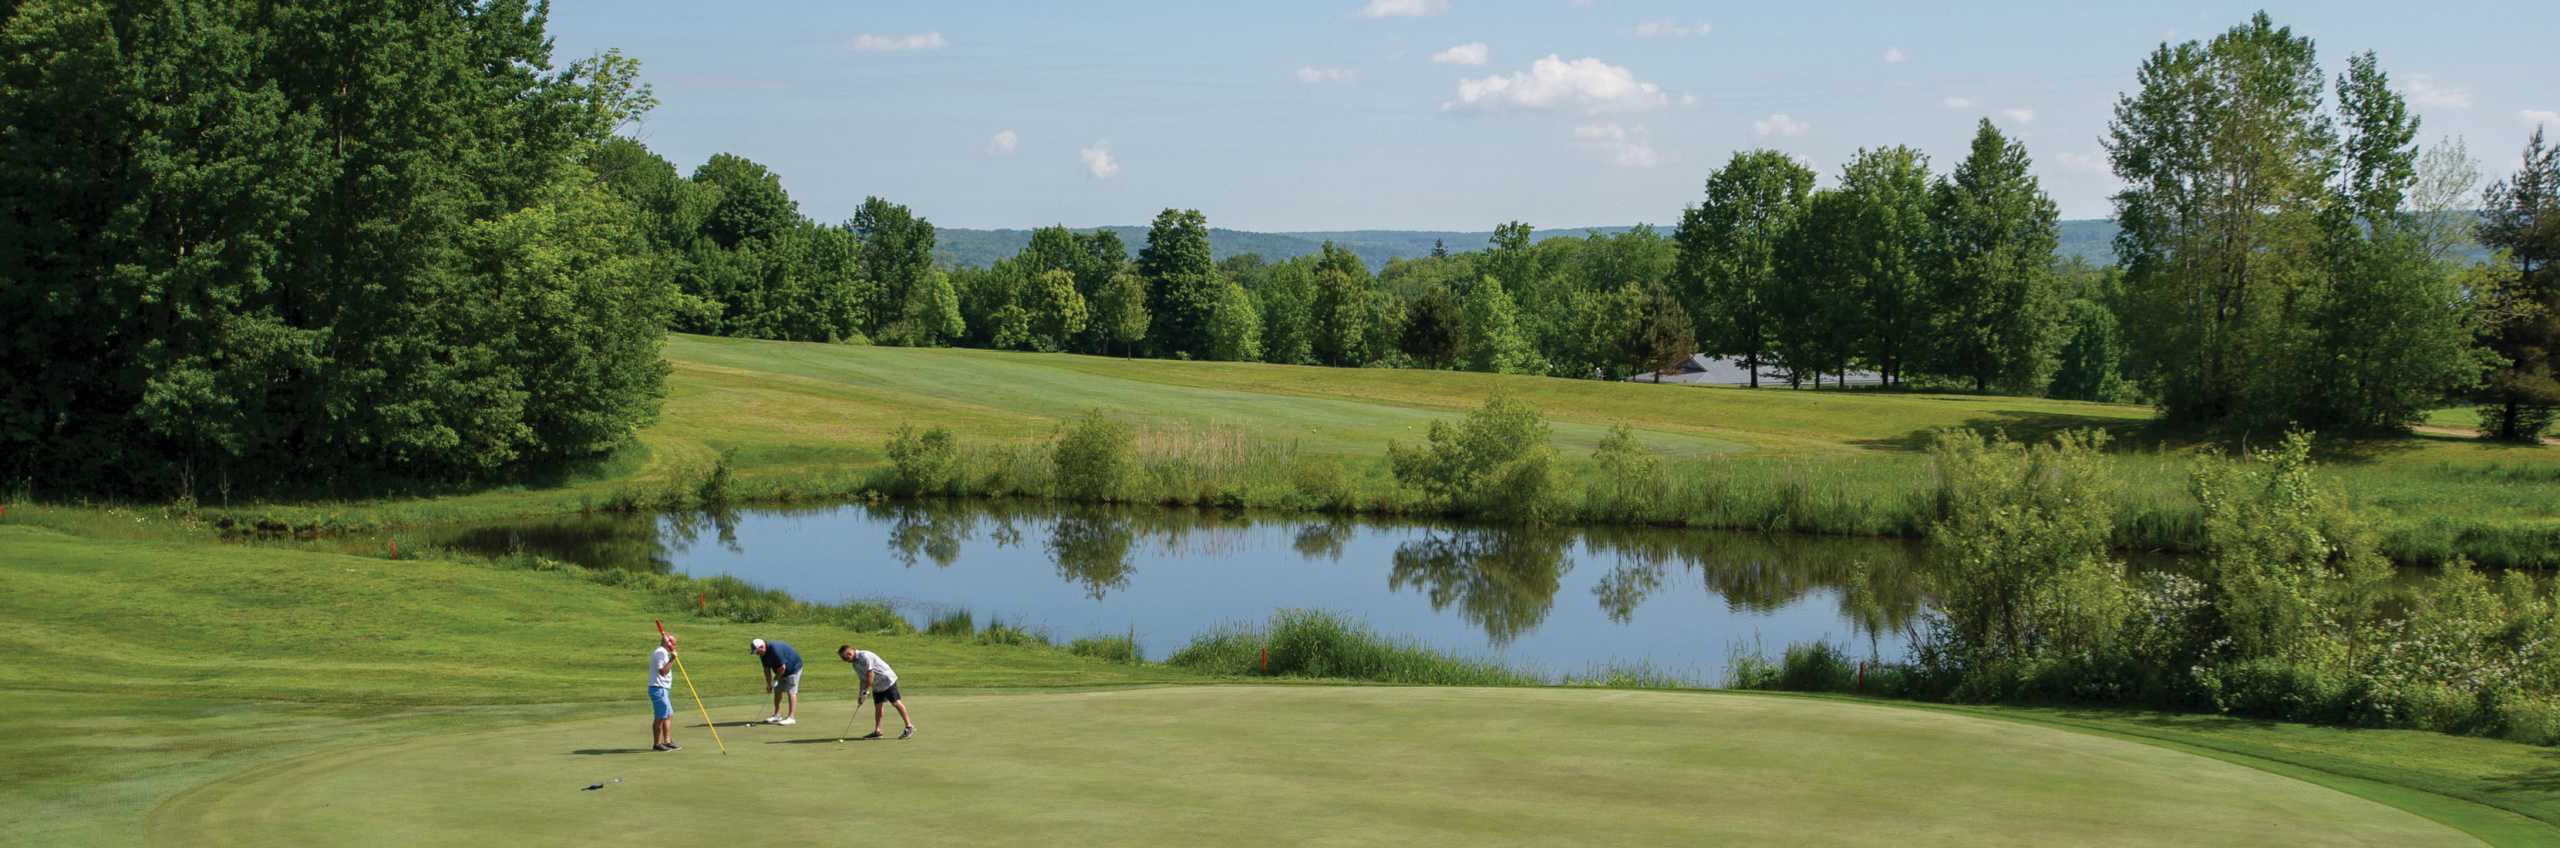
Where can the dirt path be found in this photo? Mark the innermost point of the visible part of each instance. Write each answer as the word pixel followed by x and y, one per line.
pixel 2468 433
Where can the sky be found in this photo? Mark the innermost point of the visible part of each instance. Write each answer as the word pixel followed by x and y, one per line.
pixel 1454 114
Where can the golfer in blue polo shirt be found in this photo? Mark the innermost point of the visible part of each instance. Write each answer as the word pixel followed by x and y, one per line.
pixel 781 677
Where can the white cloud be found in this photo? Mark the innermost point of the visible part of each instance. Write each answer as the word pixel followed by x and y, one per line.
pixel 2426 90
pixel 1617 145
pixel 2019 115
pixel 1403 8
pixel 1958 102
pixel 1097 159
pixel 1668 28
pixel 1553 82
pixel 1471 53
pixel 1688 100
pixel 2094 163
pixel 1003 143
pixel 1894 55
pixel 868 42
pixel 1312 73
pixel 1779 124
pixel 2540 116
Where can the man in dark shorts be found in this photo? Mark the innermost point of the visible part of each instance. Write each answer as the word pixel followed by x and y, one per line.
pixel 781 677
pixel 882 684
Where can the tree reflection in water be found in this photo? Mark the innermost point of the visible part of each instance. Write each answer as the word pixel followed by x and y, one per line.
pixel 1092 550
pixel 1878 583
pixel 1504 580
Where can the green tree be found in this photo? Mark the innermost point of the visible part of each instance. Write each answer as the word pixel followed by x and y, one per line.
pixel 1284 297
pixel 1339 312
pixel 1997 306
pixel 2090 365
pixel 751 203
pixel 1121 312
pixel 1235 326
pixel 1727 252
pixel 1891 241
pixel 1434 325
pixel 897 262
pixel 2522 223
pixel 1814 319
pixel 1489 337
pixel 1183 288
pixel 1058 313
pixel 2225 149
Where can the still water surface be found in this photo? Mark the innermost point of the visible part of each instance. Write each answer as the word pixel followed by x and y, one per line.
pixel 1553 601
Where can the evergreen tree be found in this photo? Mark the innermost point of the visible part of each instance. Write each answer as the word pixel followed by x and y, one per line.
pixel 1994 301
pixel 2522 223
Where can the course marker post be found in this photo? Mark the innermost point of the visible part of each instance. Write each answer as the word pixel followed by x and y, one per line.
pixel 697 694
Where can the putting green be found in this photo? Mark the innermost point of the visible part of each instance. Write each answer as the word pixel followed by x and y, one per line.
pixel 1292 765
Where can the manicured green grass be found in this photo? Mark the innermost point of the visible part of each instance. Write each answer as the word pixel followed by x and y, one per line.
pixel 1297 765
pixel 808 421
pixel 201 693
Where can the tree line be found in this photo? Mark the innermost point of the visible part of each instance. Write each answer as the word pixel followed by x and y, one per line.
pixel 311 246
pixel 245 248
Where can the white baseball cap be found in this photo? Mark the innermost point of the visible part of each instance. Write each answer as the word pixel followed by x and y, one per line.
pixel 755 644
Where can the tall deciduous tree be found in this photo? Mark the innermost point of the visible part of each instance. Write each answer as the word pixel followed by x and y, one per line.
pixel 1891 240
pixel 1994 300
pixel 897 260
pixel 752 204
pixel 1183 288
pixel 1727 252
pixel 1339 312
pixel 1490 338
pixel 2225 149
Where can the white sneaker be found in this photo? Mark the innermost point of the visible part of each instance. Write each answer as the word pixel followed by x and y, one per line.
pixel 786 721
pixel 773 719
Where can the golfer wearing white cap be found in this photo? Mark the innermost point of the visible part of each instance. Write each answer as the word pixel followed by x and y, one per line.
pixel 781 677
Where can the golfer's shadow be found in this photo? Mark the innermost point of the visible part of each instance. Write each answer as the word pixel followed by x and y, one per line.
pixel 595 752
pixel 817 741
pixel 727 724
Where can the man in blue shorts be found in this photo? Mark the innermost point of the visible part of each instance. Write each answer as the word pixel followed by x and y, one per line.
pixel 662 733
pixel 781 677
pixel 882 684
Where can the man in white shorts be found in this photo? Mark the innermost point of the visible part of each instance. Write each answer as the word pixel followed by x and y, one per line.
pixel 882 685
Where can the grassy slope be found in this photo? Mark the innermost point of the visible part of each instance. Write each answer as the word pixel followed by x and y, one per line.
pixel 787 410
pixel 1195 765
pixel 141 669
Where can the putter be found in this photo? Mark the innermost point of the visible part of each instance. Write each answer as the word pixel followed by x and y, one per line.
pixel 852 717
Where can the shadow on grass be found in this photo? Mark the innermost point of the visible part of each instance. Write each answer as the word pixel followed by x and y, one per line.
pixel 2123 434
pixel 599 752
pixel 828 740
pixel 2541 778
pixel 727 724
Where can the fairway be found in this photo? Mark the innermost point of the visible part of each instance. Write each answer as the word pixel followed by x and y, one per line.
pixel 1293 765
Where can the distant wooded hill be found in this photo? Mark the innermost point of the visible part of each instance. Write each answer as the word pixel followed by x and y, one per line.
pixel 2091 239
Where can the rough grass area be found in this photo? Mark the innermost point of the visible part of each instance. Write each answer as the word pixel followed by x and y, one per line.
pixel 1311 643
pixel 791 421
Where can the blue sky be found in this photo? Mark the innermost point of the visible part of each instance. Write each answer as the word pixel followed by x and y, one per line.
pixel 1441 114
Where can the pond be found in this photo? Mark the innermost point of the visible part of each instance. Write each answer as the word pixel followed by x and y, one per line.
pixel 1550 601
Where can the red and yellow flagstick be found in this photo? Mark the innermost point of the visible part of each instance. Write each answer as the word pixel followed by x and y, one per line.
pixel 697 695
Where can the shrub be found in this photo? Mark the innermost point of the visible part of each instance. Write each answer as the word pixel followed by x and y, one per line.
pixel 1748 669
pixel 1305 643
pixel 952 623
pixel 2021 564
pixel 1322 484
pixel 1628 483
pixel 1115 648
pixel 1816 667
pixel 1092 457
pixel 1495 463
pixel 927 462
pixel 1000 633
